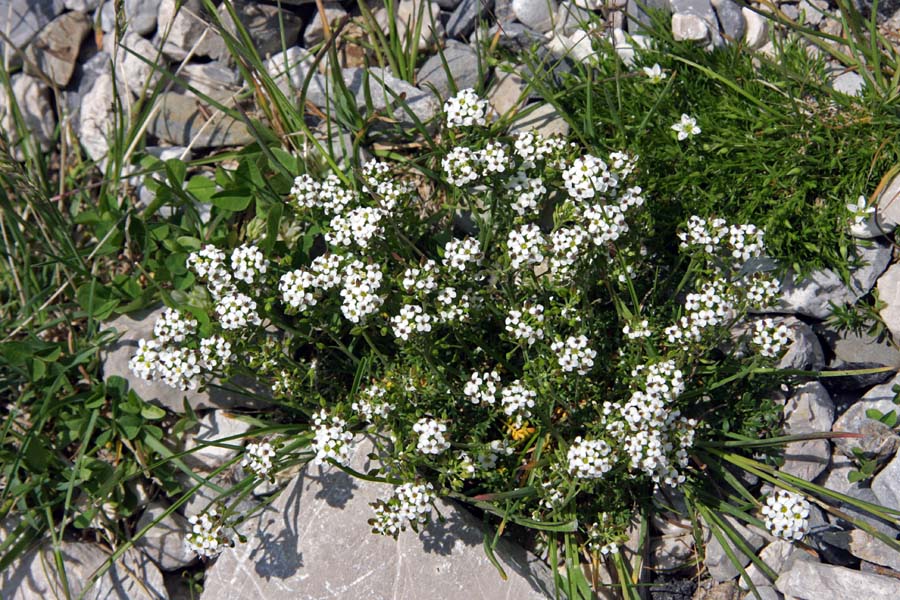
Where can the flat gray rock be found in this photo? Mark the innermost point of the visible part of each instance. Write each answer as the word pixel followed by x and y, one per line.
pixel 265 24
pixel 464 18
pixel 20 20
pixel 462 62
pixel 809 410
pixel 314 542
pixel 805 352
pixel 716 560
pixel 886 485
pixel 537 14
pixel 140 15
pixel 889 292
pixel 543 118
pixel 810 580
pixel 164 542
pixel 871 549
pixel 34 576
pixel 182 122
pixel 731 19
pixel 879 441
pixel 115 362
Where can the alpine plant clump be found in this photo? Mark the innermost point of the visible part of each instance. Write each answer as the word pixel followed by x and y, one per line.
pixel 522 337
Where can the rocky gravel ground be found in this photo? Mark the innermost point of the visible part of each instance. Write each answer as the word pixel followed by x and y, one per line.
pixel 313 540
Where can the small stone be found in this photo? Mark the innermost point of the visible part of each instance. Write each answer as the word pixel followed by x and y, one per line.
pixel 132 72
pixel 871 549
pixel 537 14
pixel 33 99
pixel 514 36
pixel 407 16
pixel 184 30
pixel 812 296
pixel 813 11
pixel 203 442
pixel 462 62
pixel 712 590
pixel 466 15
pixel 213 79
pixel 544 119
pixel 809 409
pixel 888 206
pixel 140 16
pixel 509 90
pixel 22 19
pixel 571 18
pixel 164 541
pixel 34 575
pixel 265 24
pixel 314 542
pixel 690 28
pixel 805 352
pixel 757 31
pixel 81 5
pixel 702 9
pixel 849 83
pixel 851 350
pixel 578 46
pixel 731 19
pixel 775 556
pixel 638 18
pixel 810 579
pixel 855 420
pixel 182 122
pixel 96 117
pixel 54 51
pixel 289 69
pixel 670 552
pixel 717 561
pixel 114 362
pixel 889 292
pixel 315 30
pixel 886 485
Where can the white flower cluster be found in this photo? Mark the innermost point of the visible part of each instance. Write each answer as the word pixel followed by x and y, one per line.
pixel 533 148
pixel 482 388
pixel 359 227
pixel 452 306
pixel 526 193
pixel 638 331
pixel 409 506
pixel 567 246
pixel 860 210
pixel 787 515
pixel 762 292
pixel 466 109
pixel 208 264
pixel 420 279
pixel 332 439
pixel 589 176
pixel 711 307
pixel 517 400
pixel 215 352
pixel 258 458
pixel 495 158
pixel 237 311
pixel 525 246
pixel 741 242
pixel 573 354
pixel 770 338
pixel 412 319
pixel 431 436
pixel 458 254
pixel 371 404
pixel 589 459
pixel 206 536
pixel 359 293
pixel 380 182
pixel 526 325
pixel 248 263
pixel 655 438
pixel 461 166
pixel 172 327
pixel 298 289
pixel 179 368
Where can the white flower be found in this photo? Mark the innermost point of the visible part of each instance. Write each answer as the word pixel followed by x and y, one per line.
pixel 145 363
pixel 409 506
pixel 215 352
pixel 258 458
pixel 860 211
pixel 686 127
pixel 589 459
pixel 431 436
pixel 770 338
pixel 787 515
pixel 461 166
pixel 589 176
pixel 298 289
pixel 361 284
pixel 517 400
pixel 332 439
pixel 573 354
pixel 466 109
pixel 655 73
pixel 482 387
pixel 237 311
pixel 412 319
pixel 524 246
pixel 526 325
pixel 458 254
pixel 172 327
pixel 206 536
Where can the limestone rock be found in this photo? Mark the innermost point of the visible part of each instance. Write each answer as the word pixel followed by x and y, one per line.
pixel 509 90
pixel 731 19
pixel 638 18
pixel 214 79
pixel 132 73
pixel 96 117
pixel 717 562
pixel 115 362
pixel 185 29
pixel 464 18
pixel 181 121
pixel 809 410
pixel 407 16
pixel 314 542
pixel 32 96
pixel 315 31
pixel 878 441
pixel 889 292
pixel 871 549
pixel 265 24
pixel 34 575
pixel 886 485
pixel 164 542
pixel 805 352
pixel 690 28
pixel 214 441
pixel 849 83
pixel 571 18
pixel 774 555
pixel 690 14
pixel 54 51
pixel 809 579
pixel 757 31
pixel 537 14
pixel 462 61
pixel 289 69
pixel 140 15
pixel 543 119
pixel 22 19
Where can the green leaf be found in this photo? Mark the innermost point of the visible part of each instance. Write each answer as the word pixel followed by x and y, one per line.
pixel 176 170
pixel 96 299
pixel 874 414
pixel 202 188
pixel 854 476
pixel 232 200
pixel 152 413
